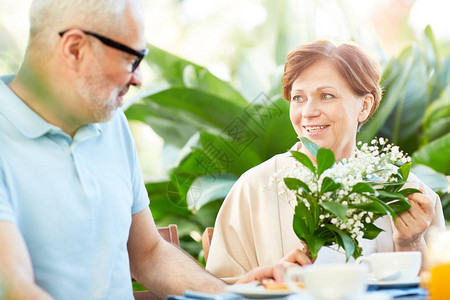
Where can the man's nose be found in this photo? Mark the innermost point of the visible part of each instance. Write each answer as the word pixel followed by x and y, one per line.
pixel 136 77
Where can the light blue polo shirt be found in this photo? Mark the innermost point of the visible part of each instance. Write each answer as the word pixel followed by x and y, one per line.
pixel 72 200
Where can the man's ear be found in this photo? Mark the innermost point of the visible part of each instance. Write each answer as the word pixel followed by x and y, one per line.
pixel 73 48
pixel 366 107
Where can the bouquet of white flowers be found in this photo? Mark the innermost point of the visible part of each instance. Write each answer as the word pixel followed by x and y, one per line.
pixel 337 202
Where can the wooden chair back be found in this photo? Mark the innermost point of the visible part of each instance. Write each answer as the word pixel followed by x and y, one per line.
pixel 206 241
pixel 170 234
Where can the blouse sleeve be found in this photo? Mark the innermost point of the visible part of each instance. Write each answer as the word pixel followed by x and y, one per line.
pixel 232 252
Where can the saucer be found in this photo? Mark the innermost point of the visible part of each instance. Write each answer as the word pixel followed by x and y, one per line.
pixel 394 283
pixel 256 291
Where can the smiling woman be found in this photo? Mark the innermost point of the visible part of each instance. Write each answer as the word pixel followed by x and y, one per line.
pixel 332 91
pixel 335 94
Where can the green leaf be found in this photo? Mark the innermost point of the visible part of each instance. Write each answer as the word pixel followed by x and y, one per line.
pixel 208 188
pixel 435 155
pixel 314 244
pixel 388 210
pixel 386 196
pixel 399 206
pixel 404 170
pixel 325 160
pixel 300 226
pixel 390 100
pixel 371 231
pixel 437 129
pixel 176 71
pixel 304 160
pixel 162 205
pixel 362 187
pixel 335 208
pixel 345 240
pixel 438 109
pixel 214 154
pixel 313 205
pixel 374 207
pixel 329 185
pixel 302 212
pixel 435 180
pixel 177 113
pixel 407 192
pixel 295 184
pixel 310 145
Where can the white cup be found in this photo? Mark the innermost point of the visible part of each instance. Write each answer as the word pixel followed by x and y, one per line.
pixel 393 266
pixel 328 282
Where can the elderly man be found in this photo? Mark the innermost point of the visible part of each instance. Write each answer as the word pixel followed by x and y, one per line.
pixel 74 214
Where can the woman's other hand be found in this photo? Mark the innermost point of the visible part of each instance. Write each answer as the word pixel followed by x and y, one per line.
pixel 298 256
pixel 276 271
pixel 408 234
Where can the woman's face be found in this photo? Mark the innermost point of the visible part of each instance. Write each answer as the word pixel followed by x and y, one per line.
pixel 324 109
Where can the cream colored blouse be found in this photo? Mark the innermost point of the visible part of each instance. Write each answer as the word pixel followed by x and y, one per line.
pixel 254 227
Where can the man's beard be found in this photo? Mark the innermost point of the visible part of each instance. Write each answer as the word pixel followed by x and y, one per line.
pixel 91 89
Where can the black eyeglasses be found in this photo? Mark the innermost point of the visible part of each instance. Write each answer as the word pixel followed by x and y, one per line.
pixel 139 54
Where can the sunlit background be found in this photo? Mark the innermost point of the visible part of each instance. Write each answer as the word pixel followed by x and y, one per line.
pixel 236 39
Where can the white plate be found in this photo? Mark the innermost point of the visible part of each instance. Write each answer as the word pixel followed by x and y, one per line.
pixel 394 283
pixel 256 291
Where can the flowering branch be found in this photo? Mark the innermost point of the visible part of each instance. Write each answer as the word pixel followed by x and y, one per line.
pixel 337 202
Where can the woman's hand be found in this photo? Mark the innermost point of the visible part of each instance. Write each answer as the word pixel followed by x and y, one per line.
pixel 298 256
pixel 408 233
pixel 276 271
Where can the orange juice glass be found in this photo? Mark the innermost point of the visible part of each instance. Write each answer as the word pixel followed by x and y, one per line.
pixel 439 286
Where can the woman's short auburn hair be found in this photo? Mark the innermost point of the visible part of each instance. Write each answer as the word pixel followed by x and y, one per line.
pixel 356 65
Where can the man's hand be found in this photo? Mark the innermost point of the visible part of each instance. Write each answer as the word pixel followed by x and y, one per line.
pixel 408 233
pixel 276 271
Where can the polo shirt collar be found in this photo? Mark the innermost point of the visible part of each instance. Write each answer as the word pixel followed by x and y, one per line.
pixel 26 120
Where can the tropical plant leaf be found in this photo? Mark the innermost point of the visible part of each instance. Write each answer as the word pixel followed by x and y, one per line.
pixel 177 113
pixel 438 109
pixel 438 128
pixel 161 204
pixel 180 72
pixel 310 145
pixel 295 184
pixel 390 100
pixel 325 160
pixel 402 125
pixel 214 154
pixel 435 180
pixel 304 160
pixel 435 155
pixel 207 188
pixel 335 208
pixel 267 119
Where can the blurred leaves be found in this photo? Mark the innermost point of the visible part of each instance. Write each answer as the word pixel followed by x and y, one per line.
pixel 219 135
pixel 415 111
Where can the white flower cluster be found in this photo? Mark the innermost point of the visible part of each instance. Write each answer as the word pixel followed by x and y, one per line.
pixel 374 163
